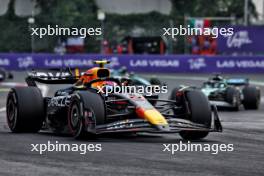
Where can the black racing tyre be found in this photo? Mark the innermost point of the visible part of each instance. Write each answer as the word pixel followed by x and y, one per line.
pixel 25 110
pixel 75 119
pixel 93 100
pixel 200 113
pixel 155 81
pixel 251 97
pixel 233 97
pixel 88 101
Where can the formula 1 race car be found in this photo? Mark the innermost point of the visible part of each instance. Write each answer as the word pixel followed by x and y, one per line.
pixel 231 93
pixel 86 109
pixel 4 75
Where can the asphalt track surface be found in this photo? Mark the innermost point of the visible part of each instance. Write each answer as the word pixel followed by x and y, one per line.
pixel 140 154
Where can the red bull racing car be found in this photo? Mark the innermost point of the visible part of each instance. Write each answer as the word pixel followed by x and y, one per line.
pixel 82 109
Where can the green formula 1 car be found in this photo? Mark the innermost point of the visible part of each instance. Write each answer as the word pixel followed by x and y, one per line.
pixel 231 93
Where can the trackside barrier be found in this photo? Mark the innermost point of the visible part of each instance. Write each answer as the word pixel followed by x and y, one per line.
pixel 138 63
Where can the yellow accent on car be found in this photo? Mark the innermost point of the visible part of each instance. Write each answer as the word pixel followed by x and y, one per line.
pixel 77 72
pixel 154 117
pixel 101 63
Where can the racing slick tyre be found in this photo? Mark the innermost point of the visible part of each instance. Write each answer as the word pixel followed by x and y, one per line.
pixel 155 81
pixel 25 110
pixel 85 102
pixel 251 97
pixel 233 97
pixel 200 112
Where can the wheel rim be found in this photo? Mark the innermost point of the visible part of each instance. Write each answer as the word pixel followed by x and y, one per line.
pixel 75 117
pixel 11 113
pixel 75 120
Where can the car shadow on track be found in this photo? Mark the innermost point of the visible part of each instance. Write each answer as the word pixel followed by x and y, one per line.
pixel 130 138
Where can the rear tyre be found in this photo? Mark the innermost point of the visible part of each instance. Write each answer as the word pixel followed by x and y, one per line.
pixel 88 101
pixel 200 113
pixel 233 97
pixel 251 98
pixel 25 109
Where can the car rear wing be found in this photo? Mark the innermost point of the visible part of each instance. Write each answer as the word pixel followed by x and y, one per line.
pixel 31 81
pixel 52 77
pixel 237 81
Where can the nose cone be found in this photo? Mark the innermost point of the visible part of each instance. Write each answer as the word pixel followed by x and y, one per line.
pixel 153 116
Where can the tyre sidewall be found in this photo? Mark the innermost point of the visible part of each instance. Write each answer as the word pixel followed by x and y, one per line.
pixel 30 109
pixel 75 130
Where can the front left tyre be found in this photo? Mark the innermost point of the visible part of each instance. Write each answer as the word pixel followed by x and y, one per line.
pixel 25 110
pixel 200 112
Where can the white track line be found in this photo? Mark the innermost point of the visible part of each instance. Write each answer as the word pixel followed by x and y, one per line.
pixel 13 84
pixel 3 109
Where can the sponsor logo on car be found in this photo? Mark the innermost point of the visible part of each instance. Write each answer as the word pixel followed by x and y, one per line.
pixel 60 101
